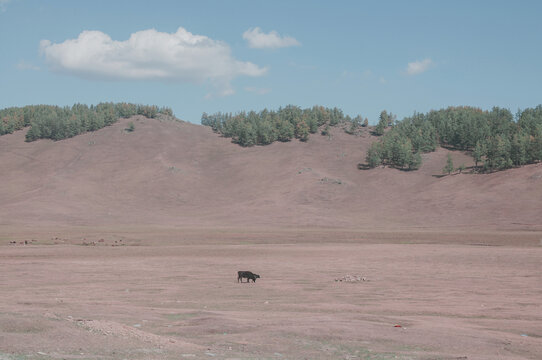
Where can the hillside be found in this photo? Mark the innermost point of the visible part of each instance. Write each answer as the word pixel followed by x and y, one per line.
pixel 169 173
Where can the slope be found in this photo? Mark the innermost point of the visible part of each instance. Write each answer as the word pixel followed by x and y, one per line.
pixel 173 173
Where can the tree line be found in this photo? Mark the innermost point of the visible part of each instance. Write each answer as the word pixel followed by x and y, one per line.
pixel 267 126
pixel 57 123
pixel 496 139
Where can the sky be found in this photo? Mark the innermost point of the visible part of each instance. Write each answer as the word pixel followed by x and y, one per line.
pixel 230 56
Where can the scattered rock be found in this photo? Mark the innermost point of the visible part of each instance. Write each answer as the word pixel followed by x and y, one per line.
pixel 327 180
pixel 352 278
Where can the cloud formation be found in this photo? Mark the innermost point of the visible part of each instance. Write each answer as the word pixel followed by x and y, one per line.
pixel 24 65
pixel 4 5
pixel 418 67
pixel 149 55
pixel 257 90
pixel 259 40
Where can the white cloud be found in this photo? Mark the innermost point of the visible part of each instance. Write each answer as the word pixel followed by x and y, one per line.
pixel 260 40
pixel 3 5
pixel 149 55
pixel 24 65
pixel 256 90
pixel 418 67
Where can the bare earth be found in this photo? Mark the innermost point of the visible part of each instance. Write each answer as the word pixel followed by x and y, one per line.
pixel 133 242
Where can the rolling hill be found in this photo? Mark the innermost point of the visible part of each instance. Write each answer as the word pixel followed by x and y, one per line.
pixel 173 173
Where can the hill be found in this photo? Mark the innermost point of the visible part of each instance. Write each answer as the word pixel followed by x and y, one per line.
pixel 173 173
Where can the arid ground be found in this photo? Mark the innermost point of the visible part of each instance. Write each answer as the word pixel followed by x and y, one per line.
pixel 117 245
pixel 174 294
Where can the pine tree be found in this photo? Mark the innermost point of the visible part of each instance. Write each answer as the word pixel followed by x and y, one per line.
pixel 449 165
pixel 382 123
pixel 373 158
pixel 479 151
pixel 285 131
pixel 415 161
pixel 302 131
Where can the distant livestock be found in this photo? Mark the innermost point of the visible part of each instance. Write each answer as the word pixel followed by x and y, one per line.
pixel 248 275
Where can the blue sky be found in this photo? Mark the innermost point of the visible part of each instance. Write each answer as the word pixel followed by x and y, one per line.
pixel 362 57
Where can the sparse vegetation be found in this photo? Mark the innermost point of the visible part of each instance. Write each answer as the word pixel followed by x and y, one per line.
pixel 57 123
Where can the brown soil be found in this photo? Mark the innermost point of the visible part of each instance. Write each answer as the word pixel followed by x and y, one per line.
pixel 127 247
pixel 179 174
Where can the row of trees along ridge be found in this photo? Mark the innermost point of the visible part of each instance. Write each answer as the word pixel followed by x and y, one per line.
pixel 57 123
pixel 267 126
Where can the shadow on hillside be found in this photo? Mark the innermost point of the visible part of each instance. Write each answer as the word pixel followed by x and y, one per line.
pixel 364 167
pixel 367 167
pixel 466 170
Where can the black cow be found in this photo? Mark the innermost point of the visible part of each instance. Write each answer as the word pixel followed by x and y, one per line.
pixel 248 275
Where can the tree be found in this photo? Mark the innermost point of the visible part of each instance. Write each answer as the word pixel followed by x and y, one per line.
pixel 302 131
pixel 355 123
pixel 415 161
pixel 498 153
pixel 246 135
pixel 401 151
pixel 392 118
pixel 265 133
pixel 32 134
pixel 519 151
pixel 382 123
pixel 449 165
pixel 479 151
pixel 373 158
pixel 325 130
pixel 285 131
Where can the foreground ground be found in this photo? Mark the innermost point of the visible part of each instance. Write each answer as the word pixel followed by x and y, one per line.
pixel 173 294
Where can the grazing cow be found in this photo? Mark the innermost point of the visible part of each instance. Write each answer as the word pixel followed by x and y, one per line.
pixel 248 275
